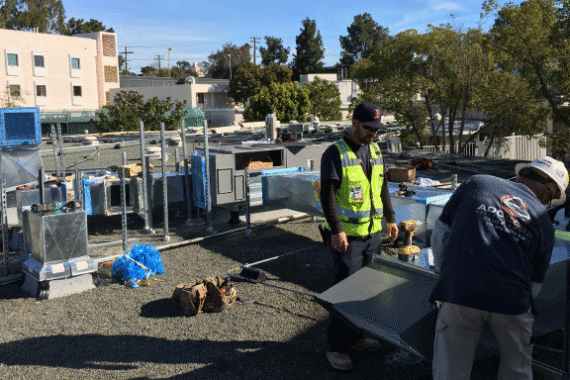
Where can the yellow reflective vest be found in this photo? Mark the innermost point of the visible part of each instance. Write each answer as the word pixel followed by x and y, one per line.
pixel 358 200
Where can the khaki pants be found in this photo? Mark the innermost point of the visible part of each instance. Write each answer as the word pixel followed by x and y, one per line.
pixel 458 329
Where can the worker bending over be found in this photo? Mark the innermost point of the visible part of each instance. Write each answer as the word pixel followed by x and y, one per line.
pixel 492 246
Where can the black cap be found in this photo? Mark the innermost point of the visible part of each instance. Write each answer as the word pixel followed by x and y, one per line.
pixel 369 114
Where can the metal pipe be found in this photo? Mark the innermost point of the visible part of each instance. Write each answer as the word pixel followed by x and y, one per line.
pixel 124 201
pixel 186 187
pixel 4 211
pixel 247 201
pixel 208 195
pixel 60 153
pixel 54 147
pixel 164 181
pixel 149 194
pixel 176 161
pixel 111 243
pixel 146 229
pixel 41 179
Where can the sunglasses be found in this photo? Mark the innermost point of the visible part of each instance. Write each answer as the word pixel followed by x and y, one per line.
pixel 369 129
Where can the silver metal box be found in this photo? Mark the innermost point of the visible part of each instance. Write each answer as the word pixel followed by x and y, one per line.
pixel 55 236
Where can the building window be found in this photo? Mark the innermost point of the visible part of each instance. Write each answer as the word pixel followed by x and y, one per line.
pixel 15 90
pixel 12 59
pixel 75 64
pixel 111 74
pixel 39 61
pixel 41 90
pixel 109 45
pixel 200 97
pixel 77 91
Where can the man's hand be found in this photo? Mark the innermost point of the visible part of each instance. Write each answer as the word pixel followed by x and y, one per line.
pixel 339 242
pixel 392 231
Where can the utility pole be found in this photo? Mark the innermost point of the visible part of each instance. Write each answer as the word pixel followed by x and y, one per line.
pixel 169 50
pixel 126 54
pixel 158 56
pixel 255 40
pixel 230 58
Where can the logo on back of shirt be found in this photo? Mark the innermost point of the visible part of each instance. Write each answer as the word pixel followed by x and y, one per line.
pixel 515 206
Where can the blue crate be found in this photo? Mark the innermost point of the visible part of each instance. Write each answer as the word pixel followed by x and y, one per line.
pixel 20 126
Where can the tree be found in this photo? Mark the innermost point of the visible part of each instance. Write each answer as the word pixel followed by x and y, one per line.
pixel 129 108
pixel 532 39
pixel 218 65
pixel 310 50
pixel 249 79
pixel 325 99
pixel 149 71
pixel 275 52
pixel 289 101
pixel 364 35
pixel 510 106
pixel 79 26
pixel 246 82
pixel 46 15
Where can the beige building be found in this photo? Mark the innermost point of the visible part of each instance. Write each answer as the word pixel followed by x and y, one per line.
pixel 210 95
pixel 57 73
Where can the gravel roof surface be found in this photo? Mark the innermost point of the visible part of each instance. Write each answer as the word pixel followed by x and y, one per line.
pixel 117 332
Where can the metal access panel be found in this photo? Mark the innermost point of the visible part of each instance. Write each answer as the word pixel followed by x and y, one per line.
pixel 306 155
pixel 55 236
pixel 174 188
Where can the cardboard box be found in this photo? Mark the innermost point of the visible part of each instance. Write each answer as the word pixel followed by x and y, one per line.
pixel 255 165
pixel 405 173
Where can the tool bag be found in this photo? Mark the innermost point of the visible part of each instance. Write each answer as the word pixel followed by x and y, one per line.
pixel 212 294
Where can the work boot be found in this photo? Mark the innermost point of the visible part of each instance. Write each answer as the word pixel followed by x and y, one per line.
pixel 339 360
pixel 366 344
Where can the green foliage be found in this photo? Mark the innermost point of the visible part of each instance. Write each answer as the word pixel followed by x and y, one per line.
pixel 46 15
pixel 310 50
pixel 325 99
pixel 218 65
pixel 275 52
pixel 364 36
pixel 79 26
pixel 129 109
pixel 289 101
pixel 249 79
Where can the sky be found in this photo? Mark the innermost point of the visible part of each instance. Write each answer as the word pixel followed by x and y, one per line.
pixel 193 30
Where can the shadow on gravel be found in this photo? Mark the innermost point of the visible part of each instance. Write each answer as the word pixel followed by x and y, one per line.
pixel 301 358
pixel 162 308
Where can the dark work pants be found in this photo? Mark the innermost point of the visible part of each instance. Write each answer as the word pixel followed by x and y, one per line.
pixel 360 253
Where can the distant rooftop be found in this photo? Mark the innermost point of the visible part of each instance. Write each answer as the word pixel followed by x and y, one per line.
pixel 141 81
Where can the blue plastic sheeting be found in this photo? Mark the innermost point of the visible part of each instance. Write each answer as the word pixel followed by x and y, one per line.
pixel 87 196
pixel 126 267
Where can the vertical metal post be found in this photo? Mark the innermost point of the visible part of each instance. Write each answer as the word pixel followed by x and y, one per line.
pixel 4 227
pixel 210 229
pixel 247 211
pixel 187 188
pixel 61 155
pixel 177 160
pixel 54 147
pixel 164 180
pixel 144 186
pixel 454 182
pixel 41 179
pixel 124 201
pixel 149 194
pixel 76 184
